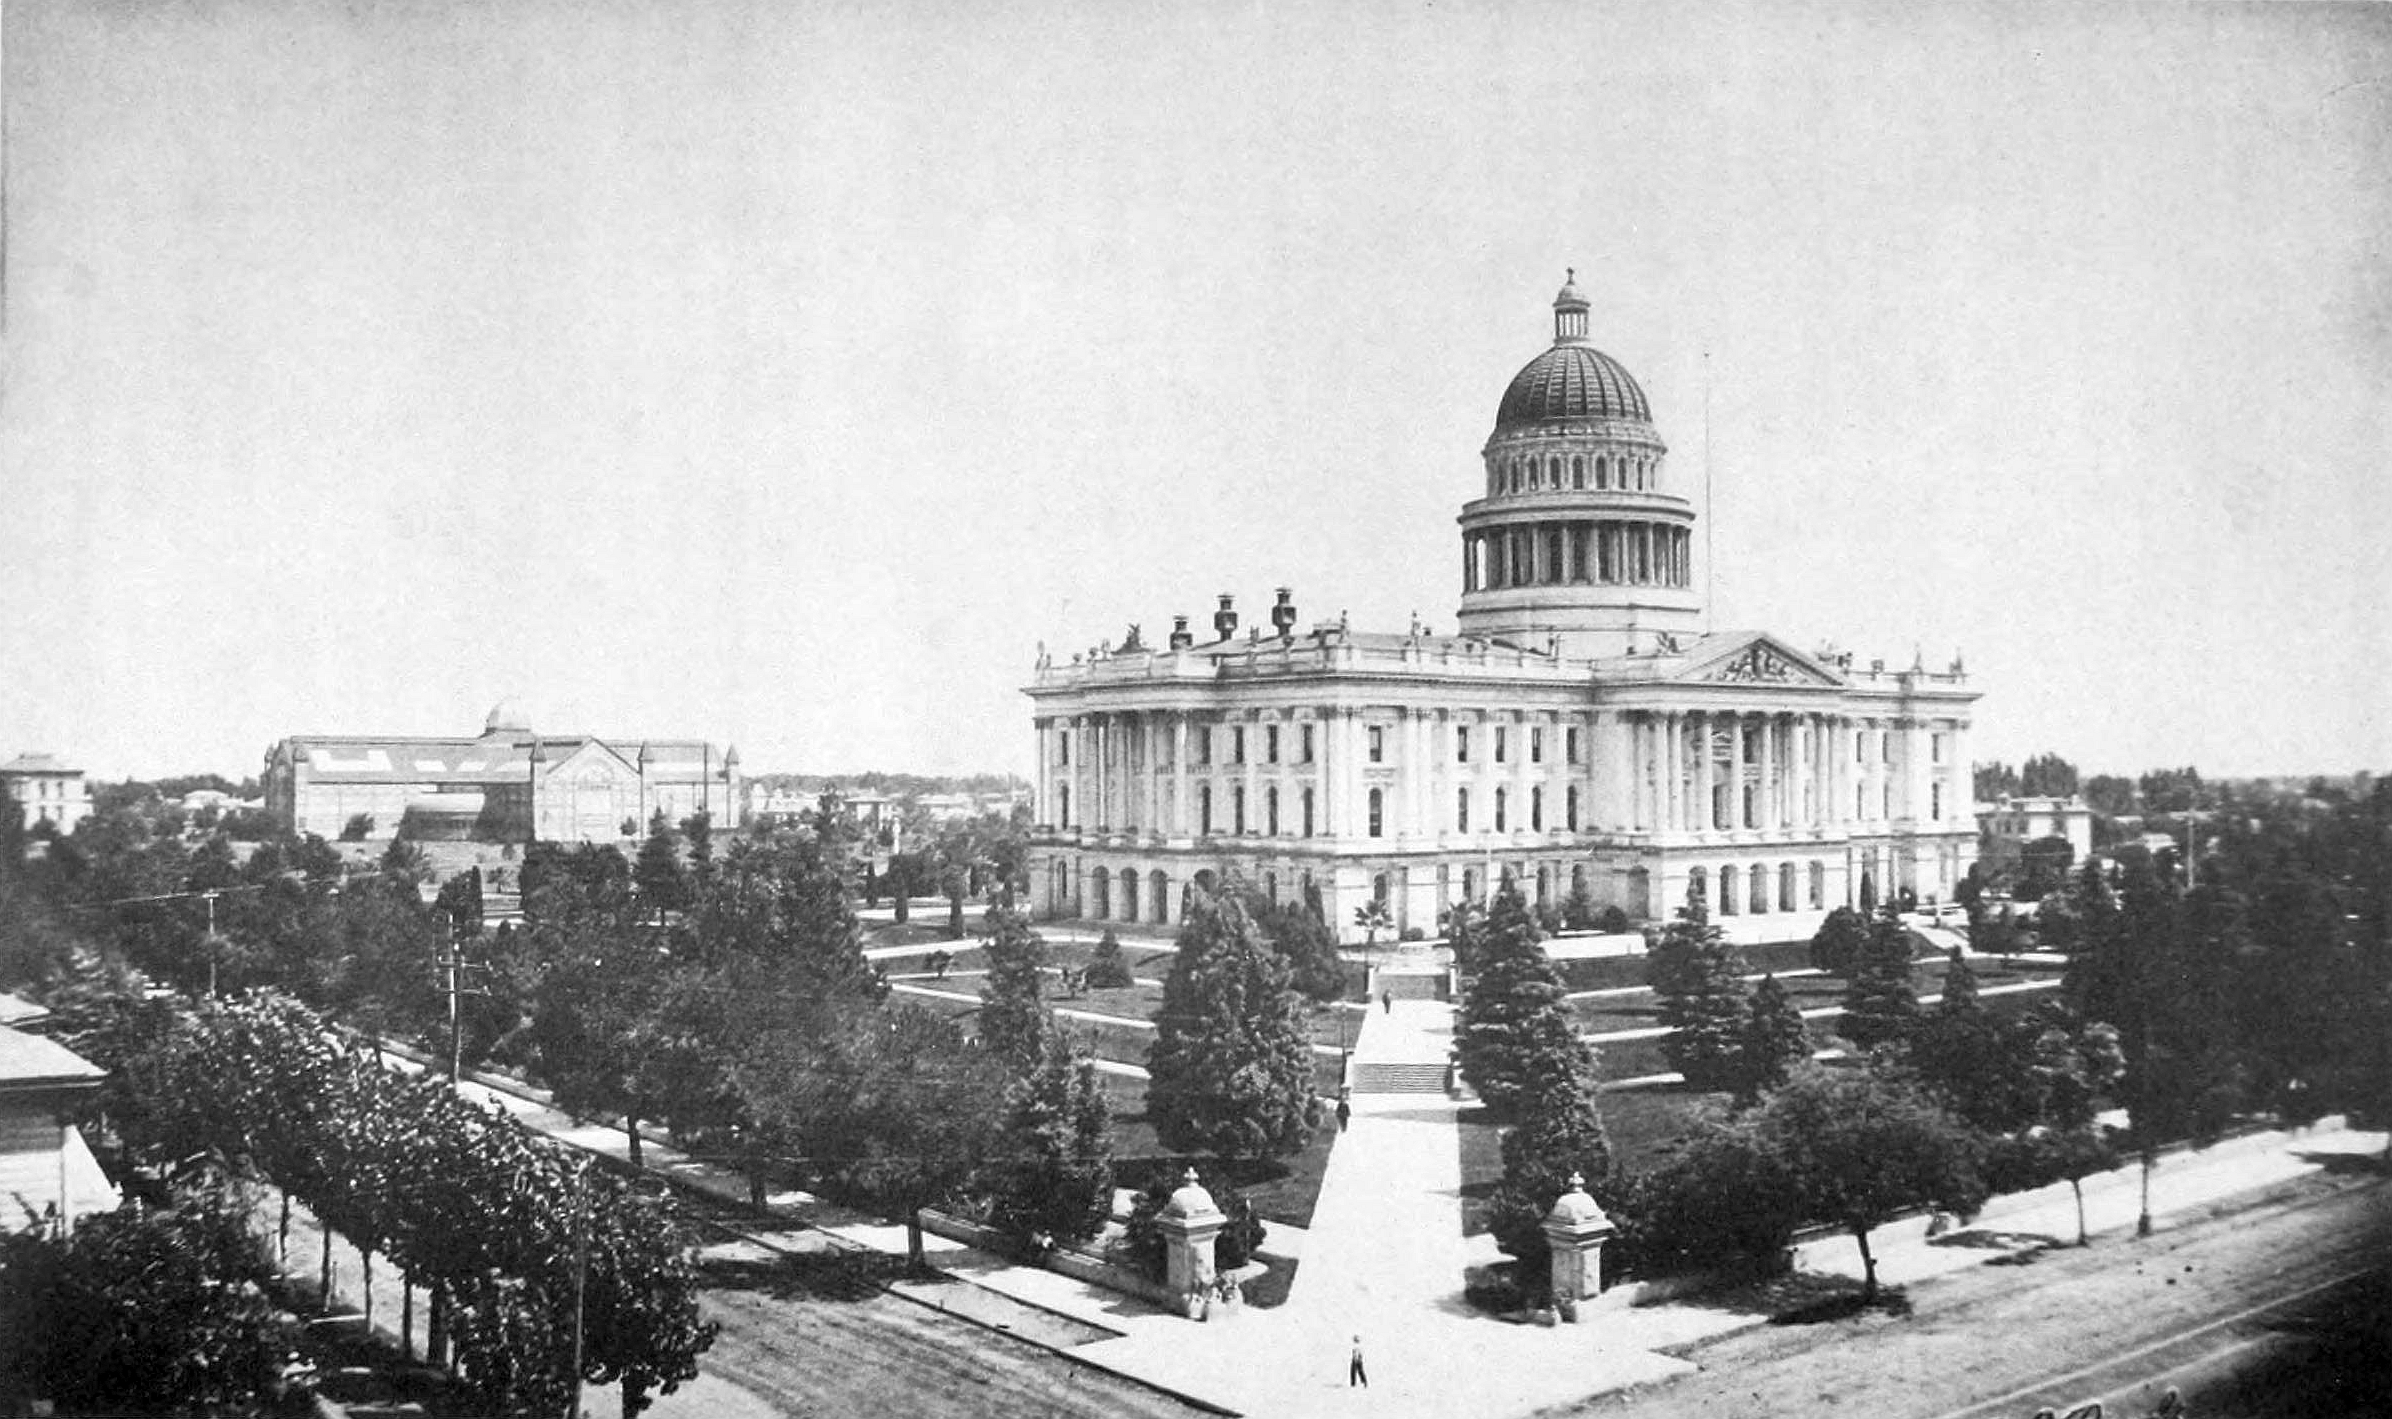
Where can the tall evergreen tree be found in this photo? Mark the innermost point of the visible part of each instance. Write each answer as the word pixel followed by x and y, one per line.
pixel 1880 1007
pixel 2181 1080
pixel 1977 1065
pixel 1836 946
pixel 1013 1010
pixel 1057 1179
pixel 1106 969
pixel 1699 979
pixel 1560 1134
pixel 1775 1041
pixel 1514 1021
pixel 663 885
pixel 1231 1064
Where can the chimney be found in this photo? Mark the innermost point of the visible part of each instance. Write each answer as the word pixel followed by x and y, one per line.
pixel 1181 637
pixel 1225 620
pixel 1283 615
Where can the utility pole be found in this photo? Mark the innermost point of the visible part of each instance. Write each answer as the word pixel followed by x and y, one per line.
pixel 581 1272
pixel 454 963
pixel 213 949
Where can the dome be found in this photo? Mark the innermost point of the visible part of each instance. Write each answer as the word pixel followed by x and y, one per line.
pixel 507 717
pixel 1190 1200
pixel 1575 1209
pixel 1571 382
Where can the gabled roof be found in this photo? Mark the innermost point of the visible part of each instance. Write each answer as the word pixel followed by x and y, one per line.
pixel 38 764
pixel 1748 658
pixel 31 1062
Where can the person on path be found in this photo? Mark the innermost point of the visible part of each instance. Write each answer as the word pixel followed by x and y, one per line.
pixel 1387 1001
pixel 1345 1114
pixel 1354 1372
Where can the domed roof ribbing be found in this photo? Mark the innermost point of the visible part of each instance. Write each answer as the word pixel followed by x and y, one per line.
pixel 1573 380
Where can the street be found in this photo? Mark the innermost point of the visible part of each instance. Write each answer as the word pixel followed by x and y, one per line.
pixel 2259 1308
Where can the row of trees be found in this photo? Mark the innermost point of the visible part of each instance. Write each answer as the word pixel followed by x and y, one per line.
pixel 535 1260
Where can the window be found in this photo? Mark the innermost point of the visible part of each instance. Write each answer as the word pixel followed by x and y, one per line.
pixel 1536 746
pixel 1237 810
pixel 1270 811
pixel 1499 743
pixel 1063 748
pixel 1378 747
pixel 1307 743
pixel 1569 744
pixel 1237 744
pixel 1204 746
pixel 1204 808
pixel 1377 800
pixel 1063 805
pixel 1461 743
pixel 1938 742
pixel 1461 810
pixel 1536 809
pixel 1935 799
pixel 1270 744
pixel 1499 810
pixel 1571 807
pixel 1308 812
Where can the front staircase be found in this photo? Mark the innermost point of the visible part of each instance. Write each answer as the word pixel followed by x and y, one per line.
pixel 1397 1077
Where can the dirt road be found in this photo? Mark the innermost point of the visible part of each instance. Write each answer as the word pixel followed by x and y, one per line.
pixel 2266 1309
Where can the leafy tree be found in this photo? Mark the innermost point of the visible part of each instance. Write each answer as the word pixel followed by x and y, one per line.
pixel 1775 1041
pixel 1231 1063
pixel 2047 775
pixel 1859 1148
pixel 1699 979
pixel 1106 969
pixel 909 875
pixel 2043 867
pixel 2110 795
pixel 1994 782
pixel 1514 1023
pixel 1057 1180
pixel 359 827
pixel 2075 1066
pixel 459 904
pixel 1722 1197
pixel 663 885
pixel 2174 1021
pixel 143 1309
pixel 1880 1007
pixel 1306 943
pixel 1560 1133
pixel 1836 946
pixel 1013 1011
pixel 1980 1067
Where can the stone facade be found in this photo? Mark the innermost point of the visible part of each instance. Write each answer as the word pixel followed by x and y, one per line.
pixel 1580 731
pixel 46 789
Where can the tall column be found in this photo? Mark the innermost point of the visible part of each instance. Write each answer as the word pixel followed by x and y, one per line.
pixel 1180 811
pixel 1765 793
pixel 1044 811
pixel 1699 744
pixel 1671 771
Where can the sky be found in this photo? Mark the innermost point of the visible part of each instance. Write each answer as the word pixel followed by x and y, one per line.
pixel 788 375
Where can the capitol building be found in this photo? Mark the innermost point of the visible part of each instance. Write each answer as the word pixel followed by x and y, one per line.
pixel 1581 730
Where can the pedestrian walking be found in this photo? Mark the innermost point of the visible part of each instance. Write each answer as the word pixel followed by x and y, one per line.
pixel 1355 1375
pixel 1345 1115
pixel 1387 1001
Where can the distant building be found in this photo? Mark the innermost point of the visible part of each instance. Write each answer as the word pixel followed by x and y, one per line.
pixel 507 784
pixel 2009 825
pixel 47 789
pixel 1582 729
pixel 45 1168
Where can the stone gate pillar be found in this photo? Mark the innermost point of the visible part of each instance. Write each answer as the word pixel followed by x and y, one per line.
pixel 1190 1223
pixel 1576 1229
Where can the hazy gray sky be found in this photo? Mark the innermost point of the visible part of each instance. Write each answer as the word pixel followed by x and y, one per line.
pixel 786 373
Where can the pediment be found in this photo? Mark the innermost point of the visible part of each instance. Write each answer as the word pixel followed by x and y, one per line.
pixel 1753 659
pixel 593 761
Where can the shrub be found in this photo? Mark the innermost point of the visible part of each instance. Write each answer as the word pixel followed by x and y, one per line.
pixel 1612 921
pixel 359 827
pixel 1412 933
pixel 1106 969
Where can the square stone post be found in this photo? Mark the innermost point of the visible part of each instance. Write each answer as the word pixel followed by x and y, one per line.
pixel 1190 1224
pixel 1576 1230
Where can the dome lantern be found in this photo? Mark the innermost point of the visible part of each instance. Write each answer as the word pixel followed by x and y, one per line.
pixel 1569 312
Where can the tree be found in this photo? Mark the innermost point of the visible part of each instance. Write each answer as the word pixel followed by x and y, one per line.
pixel 1775 1041
pixel 143 1309
pixel 1231 1064
pixel 1560 1134
pixel 663 885
pixel 1722 1197
pixel 1995 782
pixel 1836 946
pixel 1699 979
pixel 359 827
pixel 1859 1148
pixel 1106 969
pixel 1057 1178
pixel 1880 1007
pixel 1306 943
pixel 1013 1011
pixel 2075 1066
pixel 2047 775
pixel 2043 867
pixel 2174 1023
pixel 2110 795
pixel 1979 1067
pixel 1514 1022
pixel 460 904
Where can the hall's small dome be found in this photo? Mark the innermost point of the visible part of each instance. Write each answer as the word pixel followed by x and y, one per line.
pixel 508 716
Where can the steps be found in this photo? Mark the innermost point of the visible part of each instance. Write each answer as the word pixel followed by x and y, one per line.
pixel 1384 1077
pixel 1422 985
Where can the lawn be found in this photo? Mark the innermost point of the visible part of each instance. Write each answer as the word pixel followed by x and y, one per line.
pixel 1281 1189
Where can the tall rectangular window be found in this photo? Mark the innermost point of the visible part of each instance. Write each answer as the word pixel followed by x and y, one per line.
pixel 1063 748
pixel 1378 747
pixel 1500 746
pixel 1237 744
pixel 1499 810
pixel 1270 744
pixel 1536 809
pixel 1572 809
pixel 1237 810
pixel 1461 810
pixel 1377 801
pixel 1939 748
pixel 1307 743
pixel 1536 745
pixel 1569 744
pixel 1308 812
pixel 1461 743
pixel 1204 746
pixel 1270 811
